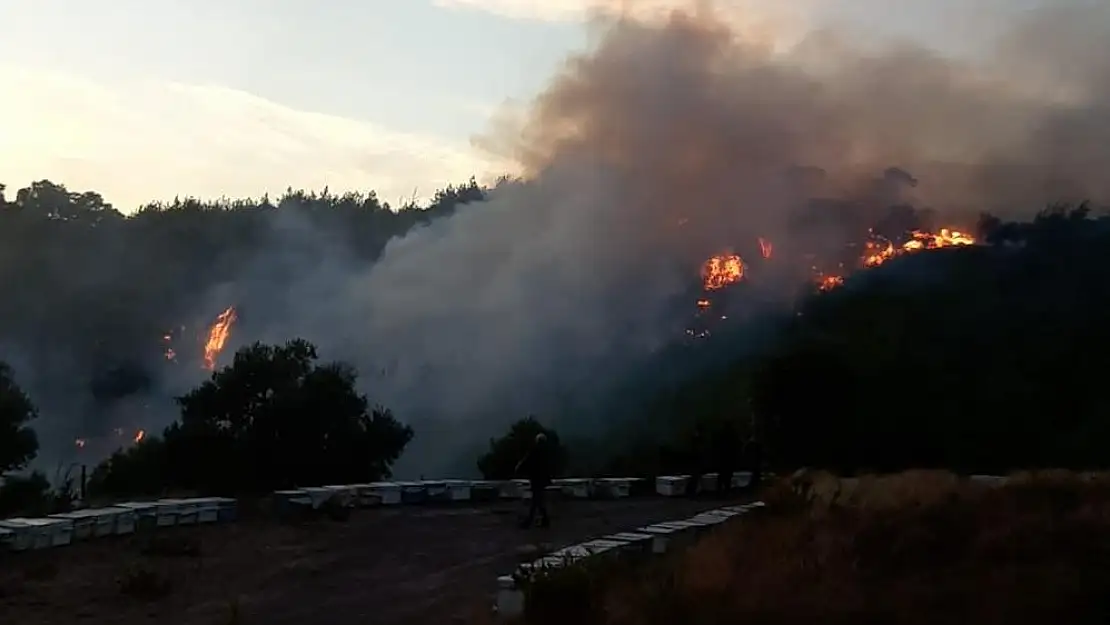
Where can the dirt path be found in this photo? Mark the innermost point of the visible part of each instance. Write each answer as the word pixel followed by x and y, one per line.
pixel 387 567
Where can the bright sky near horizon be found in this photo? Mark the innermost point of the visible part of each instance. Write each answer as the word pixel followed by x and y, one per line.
pixel 148 99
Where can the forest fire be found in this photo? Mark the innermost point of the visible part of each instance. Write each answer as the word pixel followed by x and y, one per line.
pixel 217 337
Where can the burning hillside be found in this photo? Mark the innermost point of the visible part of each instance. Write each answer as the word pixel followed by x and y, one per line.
pixel 722 270
pixel 210 346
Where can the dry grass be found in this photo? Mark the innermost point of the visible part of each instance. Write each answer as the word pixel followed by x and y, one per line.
pixel 914 548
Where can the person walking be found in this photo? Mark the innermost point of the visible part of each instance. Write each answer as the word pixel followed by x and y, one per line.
pixel 538 467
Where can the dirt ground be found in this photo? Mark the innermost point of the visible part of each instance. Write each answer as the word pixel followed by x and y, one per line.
pixel 398 566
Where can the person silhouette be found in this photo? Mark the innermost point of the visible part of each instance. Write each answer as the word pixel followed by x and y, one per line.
pixel 538 467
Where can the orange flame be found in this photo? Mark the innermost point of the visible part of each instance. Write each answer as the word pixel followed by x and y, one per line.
pixel 139 436
pixel 878 250
pixel 825 283
pixel 721 271
pixel 217 337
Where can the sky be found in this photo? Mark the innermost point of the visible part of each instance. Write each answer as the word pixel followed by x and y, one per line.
pixel 145 100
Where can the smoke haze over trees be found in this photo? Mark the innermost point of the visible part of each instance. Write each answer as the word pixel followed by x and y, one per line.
pixel 664 144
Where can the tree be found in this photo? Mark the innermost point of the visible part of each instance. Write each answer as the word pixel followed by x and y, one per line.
pixel 21 494
pixel 275 418
pixel 499 463
pixel 138 470
pixel 18 443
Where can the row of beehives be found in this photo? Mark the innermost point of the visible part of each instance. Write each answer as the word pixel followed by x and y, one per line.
pixel 650 539
pixel 21 534
pixel 426 491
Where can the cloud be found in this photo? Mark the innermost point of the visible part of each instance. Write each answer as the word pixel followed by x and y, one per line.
pixel 140 141
pixel 780 19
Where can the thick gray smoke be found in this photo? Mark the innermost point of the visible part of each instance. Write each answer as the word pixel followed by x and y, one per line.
pixel 665 143
pixel 669 142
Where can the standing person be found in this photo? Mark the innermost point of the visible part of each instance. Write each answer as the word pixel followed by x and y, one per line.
pixel 537 466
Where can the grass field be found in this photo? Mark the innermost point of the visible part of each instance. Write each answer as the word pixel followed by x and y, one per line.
pixel 914 548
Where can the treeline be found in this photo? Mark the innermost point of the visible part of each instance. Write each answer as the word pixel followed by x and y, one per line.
pixel 134 278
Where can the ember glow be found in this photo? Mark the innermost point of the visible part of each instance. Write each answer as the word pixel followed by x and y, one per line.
pixel 137 437
pixel 766 248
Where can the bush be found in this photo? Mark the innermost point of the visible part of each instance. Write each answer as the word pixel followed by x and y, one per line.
pixel 32 495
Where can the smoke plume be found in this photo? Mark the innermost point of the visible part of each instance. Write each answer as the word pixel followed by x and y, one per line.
pixel 673 140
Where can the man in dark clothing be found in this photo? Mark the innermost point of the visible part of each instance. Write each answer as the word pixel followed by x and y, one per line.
pixel 538 467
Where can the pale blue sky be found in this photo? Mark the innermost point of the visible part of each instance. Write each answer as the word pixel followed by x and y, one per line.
pixel 144 99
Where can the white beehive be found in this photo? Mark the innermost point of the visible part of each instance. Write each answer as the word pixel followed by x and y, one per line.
pixel 84 524
pixel 346 492
pixel 662 536
pixel 145 515
pixel 633 541
pixel 365 496
pixel 740 479
pixel 390 492
pixel 510 599
pixel 458 490
pixel 176 512
pixel 612 487
pixel 436 490
pixel 671 485
pixel 514 489
pixel 413 492
pixel 576 487
pixel 604 546
pixel 126 519
pixel 208 509
pixel 92 522
pixel 319 494
pixel 19 536
pixel 42 533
